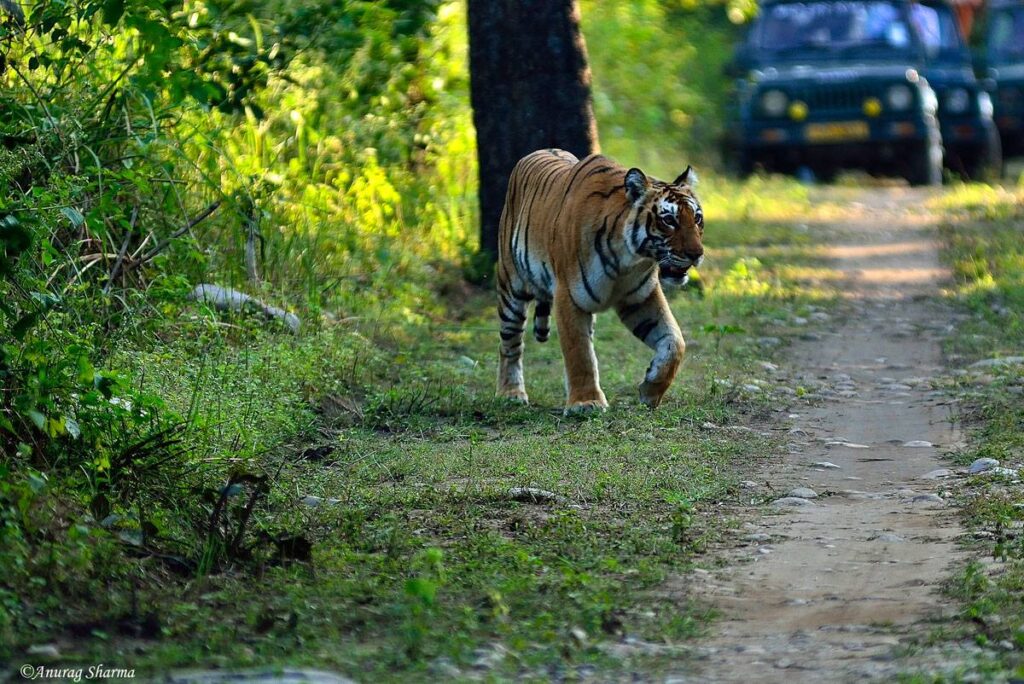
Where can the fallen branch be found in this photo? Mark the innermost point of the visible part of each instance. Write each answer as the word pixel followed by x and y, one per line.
pixel 163 244
pixel 116 270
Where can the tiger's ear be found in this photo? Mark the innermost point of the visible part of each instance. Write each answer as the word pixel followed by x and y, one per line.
pixel 636 184
pixel 687 177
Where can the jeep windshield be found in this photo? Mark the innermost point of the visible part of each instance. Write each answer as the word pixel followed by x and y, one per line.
pixel 854 28
pixel 1006 35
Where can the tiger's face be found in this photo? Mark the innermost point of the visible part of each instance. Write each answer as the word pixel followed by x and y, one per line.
pixel 669 224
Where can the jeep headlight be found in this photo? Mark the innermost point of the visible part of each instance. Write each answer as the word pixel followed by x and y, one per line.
pixel 899 97
pixel 773 102
pixel 958 100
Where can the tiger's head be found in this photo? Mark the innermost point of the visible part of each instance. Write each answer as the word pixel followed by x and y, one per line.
pixel 669 225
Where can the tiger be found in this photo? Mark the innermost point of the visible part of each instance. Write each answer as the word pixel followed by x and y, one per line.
pixel 585 236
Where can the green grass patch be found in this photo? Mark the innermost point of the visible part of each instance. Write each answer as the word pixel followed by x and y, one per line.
pixel 984 244
pixel 418 557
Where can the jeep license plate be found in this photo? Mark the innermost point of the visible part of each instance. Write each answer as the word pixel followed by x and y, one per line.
pixel 838 131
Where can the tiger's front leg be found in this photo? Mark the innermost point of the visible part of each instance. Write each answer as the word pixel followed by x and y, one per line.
pixel 576 336
pixel 652 323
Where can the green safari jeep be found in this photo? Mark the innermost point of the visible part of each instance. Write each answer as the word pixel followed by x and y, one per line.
pixel 881 85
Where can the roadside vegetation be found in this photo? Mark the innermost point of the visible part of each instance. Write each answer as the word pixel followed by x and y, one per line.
pixel 984 245
pixel 180 486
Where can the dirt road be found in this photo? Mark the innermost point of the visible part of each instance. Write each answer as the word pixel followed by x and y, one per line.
pixel 836 579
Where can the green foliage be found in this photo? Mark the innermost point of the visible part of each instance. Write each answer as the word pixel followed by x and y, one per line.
pixel 321 157
pixel 658 85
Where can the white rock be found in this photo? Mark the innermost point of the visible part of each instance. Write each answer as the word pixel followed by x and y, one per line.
pixel 981 465
pixel 936 474
pixel 827 465
pixel 768 366
pixel 1007 472
pixel 750 387
pixel 918 444
pixel 792 502
pixel 803 493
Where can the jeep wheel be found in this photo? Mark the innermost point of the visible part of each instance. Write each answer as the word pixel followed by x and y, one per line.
pixel 925 164
pixel 987 164
pixel 739 163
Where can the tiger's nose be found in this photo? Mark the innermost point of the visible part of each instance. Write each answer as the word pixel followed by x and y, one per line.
pixel 694 255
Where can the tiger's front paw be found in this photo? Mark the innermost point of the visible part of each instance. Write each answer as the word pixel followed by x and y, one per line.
pixel 514 395
pixel 585 408
pixel 651 394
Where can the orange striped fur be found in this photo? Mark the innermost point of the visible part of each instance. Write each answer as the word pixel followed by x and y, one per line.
pixel 585 236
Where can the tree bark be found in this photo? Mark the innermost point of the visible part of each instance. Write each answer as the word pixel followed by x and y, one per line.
pixel 530 89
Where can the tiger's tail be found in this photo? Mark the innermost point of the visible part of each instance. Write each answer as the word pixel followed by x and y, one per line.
pixel 541 320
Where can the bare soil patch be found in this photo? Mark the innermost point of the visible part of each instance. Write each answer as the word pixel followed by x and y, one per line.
pixel 835 580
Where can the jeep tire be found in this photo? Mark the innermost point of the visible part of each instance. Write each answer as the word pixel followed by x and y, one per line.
pixel 925 167
pixel 987 163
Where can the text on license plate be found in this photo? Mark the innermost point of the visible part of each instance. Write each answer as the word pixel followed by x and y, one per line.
pixel 839 130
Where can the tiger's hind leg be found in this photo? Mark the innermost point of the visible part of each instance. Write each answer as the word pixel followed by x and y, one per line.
pixel 512 314
pixel 542 320
pixel 652 322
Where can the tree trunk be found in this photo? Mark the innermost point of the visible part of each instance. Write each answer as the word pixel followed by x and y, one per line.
pixel 530 89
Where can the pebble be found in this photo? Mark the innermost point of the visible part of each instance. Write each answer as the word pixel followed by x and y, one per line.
pixel 792 502
pixel 918 444
pixel 758 537
pixel 827 465
pixel 764 550
pixel 749 484
pixel 929 498
pixel 848 445
pixel 768 341
pixel 889 538
pixel 936 474
pixel 802 493
pixel 820 316
pixel 799 320
pixel 768 366
pixel 754 389
pixel 810 336
pixel 981 465
pixel 895 387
